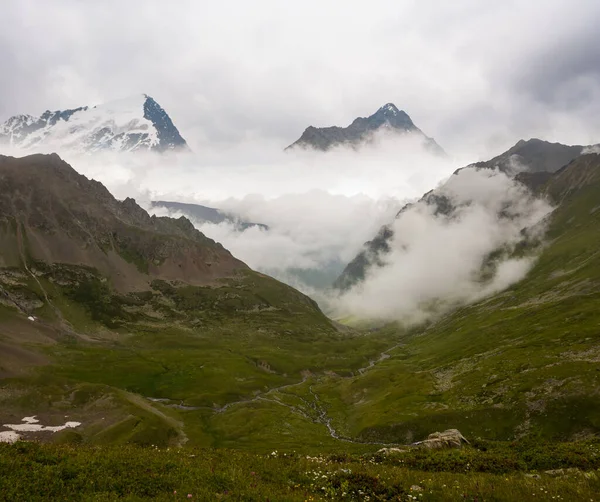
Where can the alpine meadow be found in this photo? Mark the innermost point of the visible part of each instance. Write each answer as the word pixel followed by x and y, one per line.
pixel 265 281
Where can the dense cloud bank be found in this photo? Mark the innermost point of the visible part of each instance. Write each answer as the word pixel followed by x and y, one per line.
pixel 321 208
pixel 440 261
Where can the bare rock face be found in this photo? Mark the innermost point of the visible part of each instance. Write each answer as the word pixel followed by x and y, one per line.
pixel 52 214
pixel 451 438
pixel 392 450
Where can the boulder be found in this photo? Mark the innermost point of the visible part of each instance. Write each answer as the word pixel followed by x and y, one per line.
pixel 451 438
pixel 390 451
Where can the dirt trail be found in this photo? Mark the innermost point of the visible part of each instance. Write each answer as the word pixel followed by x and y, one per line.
pixel 320 411
pixel 142 403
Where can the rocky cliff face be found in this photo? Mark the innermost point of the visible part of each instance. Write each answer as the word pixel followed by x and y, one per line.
pixel 533 156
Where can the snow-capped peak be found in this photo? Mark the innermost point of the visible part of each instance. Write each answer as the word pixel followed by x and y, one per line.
pixel 389 109
pixel 130 124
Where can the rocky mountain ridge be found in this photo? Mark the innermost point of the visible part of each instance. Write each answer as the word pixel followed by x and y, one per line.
pixel 60 216
pixel 387 119
pixel 203 214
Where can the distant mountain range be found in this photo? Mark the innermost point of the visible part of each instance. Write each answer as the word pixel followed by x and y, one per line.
pixel 531 162
pixel 205 214
pixel 139 123
pixel 362 130
pixel 127 125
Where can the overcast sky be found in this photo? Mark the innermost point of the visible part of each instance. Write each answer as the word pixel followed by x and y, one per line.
pixel 475 75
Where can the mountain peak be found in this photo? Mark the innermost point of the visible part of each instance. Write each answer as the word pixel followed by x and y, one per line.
pixel 361 130
pixel 390 116
pixel 168 135
pixel 131 124
pixel 389 109
pixel 536 155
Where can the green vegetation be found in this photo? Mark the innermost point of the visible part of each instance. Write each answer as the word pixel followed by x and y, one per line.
pixel 249 365
pixel 521 363
pixel 31 471
pixel 178 364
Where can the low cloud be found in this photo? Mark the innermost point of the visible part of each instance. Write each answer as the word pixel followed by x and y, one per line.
pixel 310 236
pixel 320 207
pixel 591 149
pixel 438 262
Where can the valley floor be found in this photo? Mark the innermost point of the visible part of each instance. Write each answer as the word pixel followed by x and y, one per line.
pixel 221 391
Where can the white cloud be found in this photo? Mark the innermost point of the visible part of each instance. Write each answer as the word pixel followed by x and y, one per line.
pixel 591 149
pixel 436 261
pixel 320 207
pixel 475 75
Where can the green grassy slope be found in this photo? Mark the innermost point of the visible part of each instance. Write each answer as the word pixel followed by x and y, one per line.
pixel 47 472
pixel 249 363
pixel 524 362
pixel 164 366
pixel 143 329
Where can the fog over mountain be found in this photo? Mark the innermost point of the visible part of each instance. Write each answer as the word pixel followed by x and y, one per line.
pixel 386 121
pixel 126 125
pixel 319 209
pixel 244 243
pixel 437 261
pixel 477 79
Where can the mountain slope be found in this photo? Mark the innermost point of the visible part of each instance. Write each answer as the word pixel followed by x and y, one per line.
pixel 388 118
pixel 533 156
pixel 133 124
pixel 248 362
pixel 139 327
pixel 522 362
pixel 530 162
pixel 204 214
pixel 62 217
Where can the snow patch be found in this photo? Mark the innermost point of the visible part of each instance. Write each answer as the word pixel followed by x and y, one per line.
pixel 9 437
pixel 390 109
pixel 31 424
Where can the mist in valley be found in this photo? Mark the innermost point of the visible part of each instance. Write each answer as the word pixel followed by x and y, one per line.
pixel 320 208
pixel 475 79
